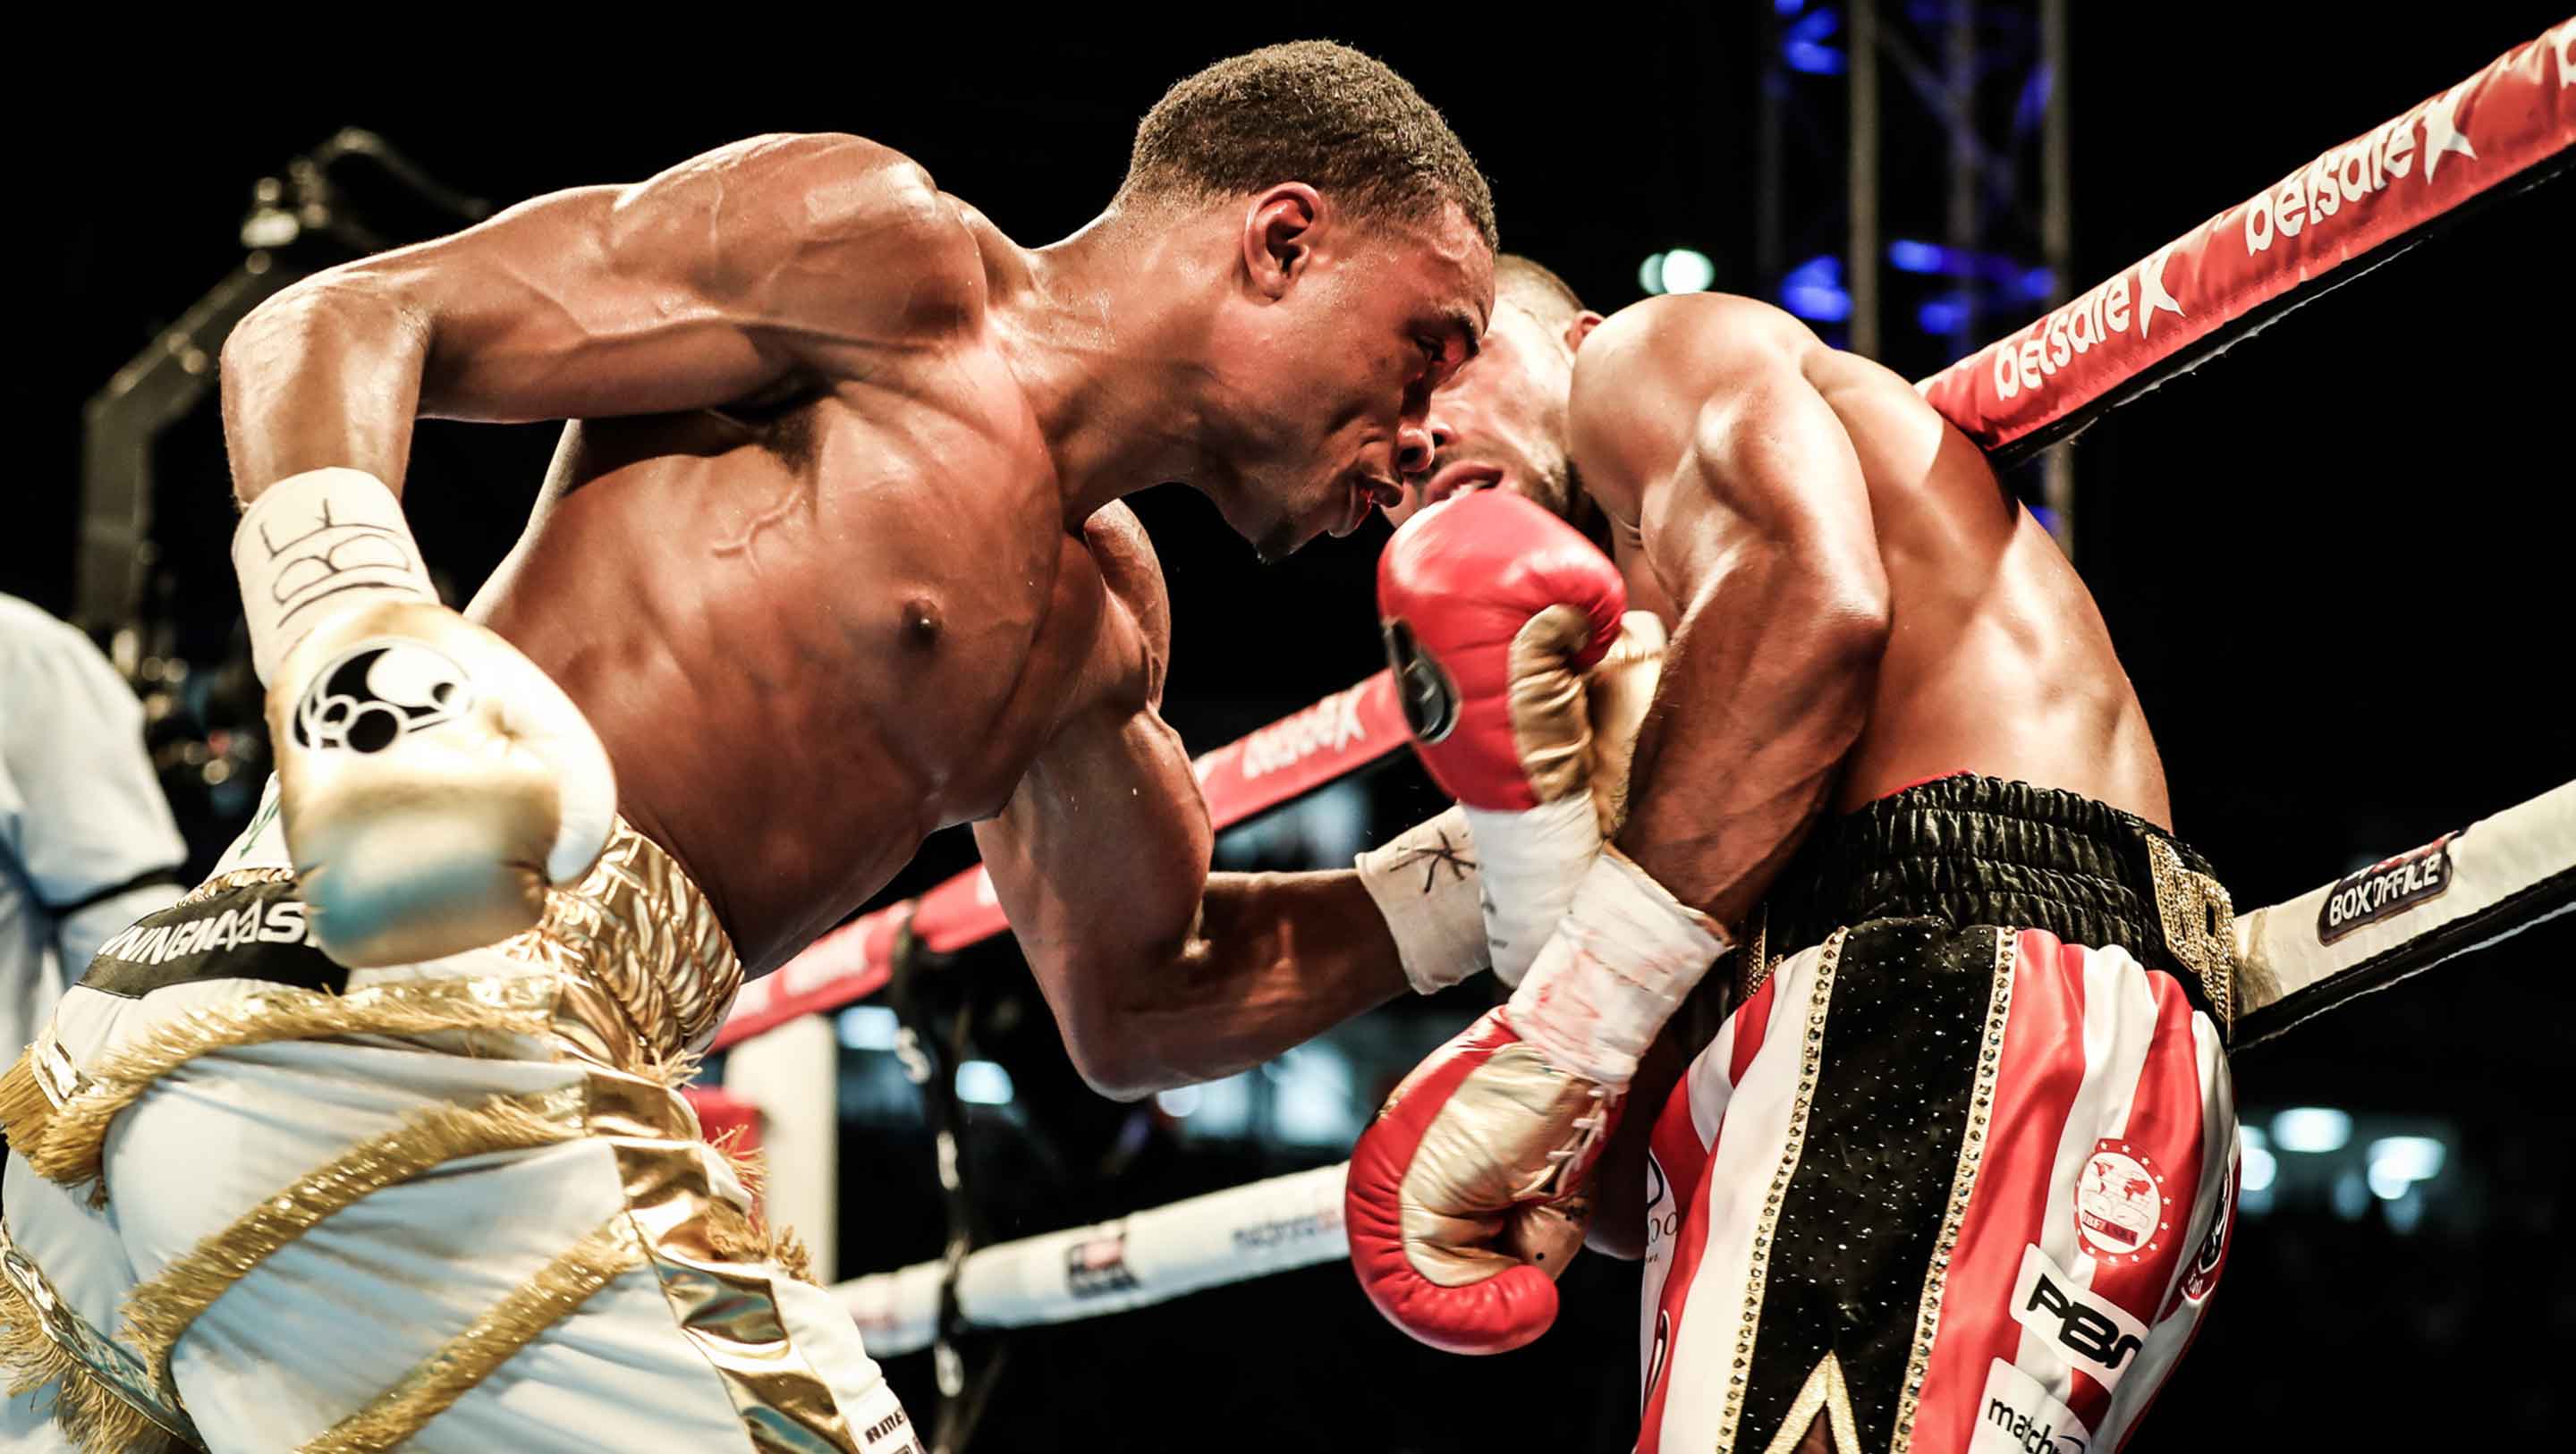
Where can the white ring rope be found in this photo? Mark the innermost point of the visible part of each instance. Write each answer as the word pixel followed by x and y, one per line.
pixel 1143 1258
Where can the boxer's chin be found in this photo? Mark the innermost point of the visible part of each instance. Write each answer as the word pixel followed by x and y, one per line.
pixel 1280 541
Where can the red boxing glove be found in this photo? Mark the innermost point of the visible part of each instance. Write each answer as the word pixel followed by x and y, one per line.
pixel 1466 1196
pixel 1493 610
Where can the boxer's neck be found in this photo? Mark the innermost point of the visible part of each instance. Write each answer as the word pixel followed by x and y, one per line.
pixel 1105 332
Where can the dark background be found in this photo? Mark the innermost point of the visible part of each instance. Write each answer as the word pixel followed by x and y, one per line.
pixel 2332 559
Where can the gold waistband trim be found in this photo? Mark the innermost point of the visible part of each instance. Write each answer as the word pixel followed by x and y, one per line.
pixel 638 928
pixel 437 1382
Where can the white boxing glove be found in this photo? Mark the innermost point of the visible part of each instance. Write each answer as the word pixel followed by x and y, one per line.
pixel 433 781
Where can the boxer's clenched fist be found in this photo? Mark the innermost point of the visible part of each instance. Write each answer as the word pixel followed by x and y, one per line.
pixel 433 781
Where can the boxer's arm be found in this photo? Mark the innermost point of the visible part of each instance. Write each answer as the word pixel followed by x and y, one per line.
pixel 1159 972
pixel 1695 417
pixel 708 283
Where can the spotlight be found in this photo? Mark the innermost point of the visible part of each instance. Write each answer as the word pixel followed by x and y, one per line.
pixel 1686 271
pixel 867 1027
pixel 2406 1158
pixel 982 1083
pixel 1681 270
pixel 2314 1129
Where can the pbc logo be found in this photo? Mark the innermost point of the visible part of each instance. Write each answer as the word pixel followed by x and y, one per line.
pixel 2100 1334
pixel 2386 888
pixel 377 695
pixel 1430 699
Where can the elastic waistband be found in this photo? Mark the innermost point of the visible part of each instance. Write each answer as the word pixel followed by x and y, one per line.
pixel 635 929
pixel 1979 850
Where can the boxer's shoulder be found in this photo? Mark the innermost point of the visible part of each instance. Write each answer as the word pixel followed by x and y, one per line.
pixel 1654 374
pixel 825 205
pixel 1682 342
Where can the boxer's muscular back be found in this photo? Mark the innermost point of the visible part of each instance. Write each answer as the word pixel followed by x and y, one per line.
pixel 1997 659
pixel 813 624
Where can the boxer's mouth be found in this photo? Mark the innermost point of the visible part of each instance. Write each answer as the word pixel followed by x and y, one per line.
pixel 1367 495
pixel 1458 479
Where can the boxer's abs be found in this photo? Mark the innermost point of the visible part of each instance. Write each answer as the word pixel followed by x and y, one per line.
pixel 1998 661
pixel 803 648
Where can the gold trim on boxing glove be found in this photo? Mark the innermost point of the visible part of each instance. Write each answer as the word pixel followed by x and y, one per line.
pixel 1501 1165
pixel 1551 717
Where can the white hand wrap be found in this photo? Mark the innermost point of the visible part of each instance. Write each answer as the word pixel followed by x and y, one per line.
pixel 1533 862
pixel 1615 971
pixel 315 544
pixel 1425 883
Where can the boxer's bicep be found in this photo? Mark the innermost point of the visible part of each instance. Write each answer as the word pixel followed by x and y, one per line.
pixel 692 289
pixel 1752 508
pixel 699 287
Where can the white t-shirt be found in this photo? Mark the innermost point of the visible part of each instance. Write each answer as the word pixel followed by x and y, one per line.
pixel 81 815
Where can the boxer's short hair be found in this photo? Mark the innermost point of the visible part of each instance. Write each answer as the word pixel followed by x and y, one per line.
pixel 1308 111
pixel 1536 291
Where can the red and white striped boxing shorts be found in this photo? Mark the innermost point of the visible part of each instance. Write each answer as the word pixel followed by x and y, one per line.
pixel 1937 1188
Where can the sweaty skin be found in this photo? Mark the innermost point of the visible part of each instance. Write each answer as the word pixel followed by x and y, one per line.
pixel 834 557
pixel 1857 603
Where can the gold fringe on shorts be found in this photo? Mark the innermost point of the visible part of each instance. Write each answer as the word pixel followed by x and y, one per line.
pixel 64 1143
pixel 90 1411
pixel 159 1312
pixel 558 1289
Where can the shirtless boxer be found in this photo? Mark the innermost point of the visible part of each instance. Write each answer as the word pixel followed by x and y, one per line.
pixel 1948 1178
pixel 834 560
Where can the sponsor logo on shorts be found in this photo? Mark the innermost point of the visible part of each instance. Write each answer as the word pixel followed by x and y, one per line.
pixel 219 923
pixel 2120 1203
pixel 874 1435
pixel 2197 1283
pixel 1098 1266
pixel 1663 1210
pixel 2386 889
pixel 2097 1335
pixel 2016 1416
pixel 375 696
pixel 1430 699
pixel 1280 1231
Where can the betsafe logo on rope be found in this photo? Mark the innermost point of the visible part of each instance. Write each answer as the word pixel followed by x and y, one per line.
pixel 2304 200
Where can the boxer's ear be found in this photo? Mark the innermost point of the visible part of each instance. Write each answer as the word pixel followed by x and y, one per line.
pixel 1580 329
pixel 1280 231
